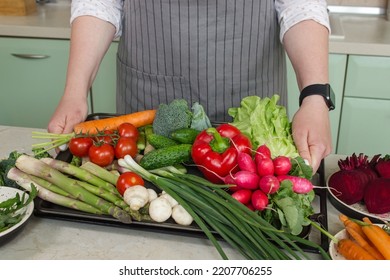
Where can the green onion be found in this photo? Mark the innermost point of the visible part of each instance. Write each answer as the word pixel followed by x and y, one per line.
pixel 216 212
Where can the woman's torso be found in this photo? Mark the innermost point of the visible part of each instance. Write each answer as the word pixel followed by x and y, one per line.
pixel 213 52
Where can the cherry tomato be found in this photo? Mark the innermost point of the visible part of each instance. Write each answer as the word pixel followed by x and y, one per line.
pixel 127 180
pixel 128 130
pixel 126 146
pixel 101 155
pixel 79 146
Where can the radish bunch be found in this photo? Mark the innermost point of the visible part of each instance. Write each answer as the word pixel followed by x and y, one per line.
pixel 260 176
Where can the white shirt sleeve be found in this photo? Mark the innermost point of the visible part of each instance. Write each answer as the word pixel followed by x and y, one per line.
pixel 108 10
pixel 293 11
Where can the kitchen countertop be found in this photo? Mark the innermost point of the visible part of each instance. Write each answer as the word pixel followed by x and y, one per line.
pixel 47 239
pixel 352 33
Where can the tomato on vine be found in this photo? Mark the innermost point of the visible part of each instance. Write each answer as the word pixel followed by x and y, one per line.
pixel 128 130
pixel 126 146
pixel 101 155
pixel 79 146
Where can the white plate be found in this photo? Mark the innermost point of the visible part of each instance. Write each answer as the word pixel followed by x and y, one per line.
pixel 334 254
pixel 6 193
pixel 356 210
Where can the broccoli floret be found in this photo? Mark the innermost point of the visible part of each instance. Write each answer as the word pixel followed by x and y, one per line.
pixel 172 116
pixel 40 153
pixel 5 166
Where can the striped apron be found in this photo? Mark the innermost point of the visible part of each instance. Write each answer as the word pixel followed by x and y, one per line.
pixel 214 52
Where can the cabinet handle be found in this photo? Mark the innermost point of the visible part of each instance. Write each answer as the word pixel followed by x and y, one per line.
pixel 30 56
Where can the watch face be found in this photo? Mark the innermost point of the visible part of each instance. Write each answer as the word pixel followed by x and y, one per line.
pixel 332 98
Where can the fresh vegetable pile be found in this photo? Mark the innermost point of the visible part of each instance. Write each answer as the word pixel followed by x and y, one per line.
pixel 255 191
pixel 360 180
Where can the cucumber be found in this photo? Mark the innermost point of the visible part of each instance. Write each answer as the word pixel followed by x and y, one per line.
pixel 159 141
pixel 166 156
pixel 185 135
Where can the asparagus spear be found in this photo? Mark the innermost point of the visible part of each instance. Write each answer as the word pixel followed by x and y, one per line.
pixel 100 172
pixel 24 180
pixel 81 174
pixel 40 169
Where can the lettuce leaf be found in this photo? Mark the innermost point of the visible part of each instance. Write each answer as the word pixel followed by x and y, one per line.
pixel 265 122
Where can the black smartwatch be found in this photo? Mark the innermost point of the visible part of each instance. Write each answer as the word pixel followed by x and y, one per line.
pixel 325 90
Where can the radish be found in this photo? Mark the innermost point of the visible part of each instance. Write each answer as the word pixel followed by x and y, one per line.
pixel 246 180
pixel 246 162
pixel 265 166
pixel 269 184
pixel 282 165
pixel 262 152
pixel 299 185
pixel 259 200
pixel 243 195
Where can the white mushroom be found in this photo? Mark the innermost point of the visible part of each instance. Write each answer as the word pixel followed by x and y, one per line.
pixel 170 199
pixel 152 194
pixel 136 197
pixel 181 216
pixel 160 210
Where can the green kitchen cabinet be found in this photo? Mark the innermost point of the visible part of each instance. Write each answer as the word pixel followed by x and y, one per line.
pixel 103 94
pixel 337 69
pixel 365 118
pixel 32 79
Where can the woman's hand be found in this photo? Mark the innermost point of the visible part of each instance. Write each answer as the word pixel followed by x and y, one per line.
pixel 69 112
pixel 311 130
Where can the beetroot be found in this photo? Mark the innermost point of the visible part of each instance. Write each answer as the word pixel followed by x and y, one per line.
pixel 383 166
pixel 348 185
pixel 377 196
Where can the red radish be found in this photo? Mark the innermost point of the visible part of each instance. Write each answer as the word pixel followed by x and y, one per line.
pixel 262 152
pixel 240 180
pixel 243 195
pixel 246 180
pixel 250 206
pixel 246 162
pixel 259 200
pixel 265 166
pixel 282 165
pixel 269 184
pixel 299 184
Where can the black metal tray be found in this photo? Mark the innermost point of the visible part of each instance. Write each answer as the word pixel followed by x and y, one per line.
pixel 47 209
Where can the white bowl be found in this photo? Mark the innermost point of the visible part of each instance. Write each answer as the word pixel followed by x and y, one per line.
pixel 7 193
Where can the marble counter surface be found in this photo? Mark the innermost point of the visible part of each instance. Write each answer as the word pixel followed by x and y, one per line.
pixel 51 239
pixel 352 33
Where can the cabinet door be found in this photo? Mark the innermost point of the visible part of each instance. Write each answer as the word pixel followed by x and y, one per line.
pixel 368 77
pixel 32 79
pixel 337 68
pixel 104 86
pixel 364 126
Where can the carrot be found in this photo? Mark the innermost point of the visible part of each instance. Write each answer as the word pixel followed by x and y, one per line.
pixel 379 237
pixel 350 223
pixel 352 251
pixel 361 240
pixel 138 119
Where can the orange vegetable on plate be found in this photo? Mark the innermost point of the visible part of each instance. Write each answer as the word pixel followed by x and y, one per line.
pixel 379 237
pixel 352 251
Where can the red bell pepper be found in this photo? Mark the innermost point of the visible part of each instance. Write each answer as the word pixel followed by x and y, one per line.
pixel 215 151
